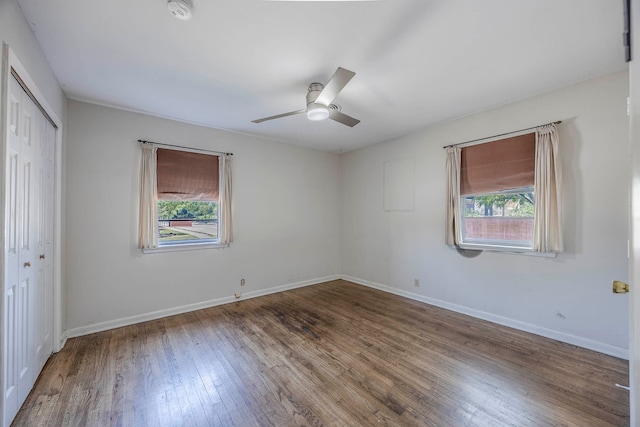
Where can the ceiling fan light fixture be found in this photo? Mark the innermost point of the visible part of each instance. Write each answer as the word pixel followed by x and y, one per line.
pixel 320 101
pixel 317 112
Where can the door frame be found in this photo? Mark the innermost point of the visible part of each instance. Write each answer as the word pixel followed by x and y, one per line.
pixel 10 61
pixel 634 220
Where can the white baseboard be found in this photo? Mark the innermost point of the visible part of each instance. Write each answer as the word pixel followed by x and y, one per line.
pixel 126 321
pixel 619 352
pixel 61 344
pixel 611 350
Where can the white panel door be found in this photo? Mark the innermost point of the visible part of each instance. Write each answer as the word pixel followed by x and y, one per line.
pixel 11 280
pixel 27 245
pixel 44 264
pixel 28 277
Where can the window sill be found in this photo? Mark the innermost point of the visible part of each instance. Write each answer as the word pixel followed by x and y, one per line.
pixel 184 247
pixel 515 250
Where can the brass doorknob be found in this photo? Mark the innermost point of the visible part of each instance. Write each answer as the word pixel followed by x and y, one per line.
pixel 27 264
pixel 42 256
pixel 620 287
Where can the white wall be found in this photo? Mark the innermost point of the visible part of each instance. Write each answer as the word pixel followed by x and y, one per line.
pixel 391 249
pixel 286 219
pixel 15 31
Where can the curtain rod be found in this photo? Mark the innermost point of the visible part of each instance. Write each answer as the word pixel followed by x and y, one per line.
pixel 181 146
pixel 502 134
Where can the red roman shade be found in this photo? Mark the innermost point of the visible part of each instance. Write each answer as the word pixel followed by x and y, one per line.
pixel 184 175
pixel 498 165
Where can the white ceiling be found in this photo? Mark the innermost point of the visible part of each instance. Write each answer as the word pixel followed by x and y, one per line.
pixel 417 62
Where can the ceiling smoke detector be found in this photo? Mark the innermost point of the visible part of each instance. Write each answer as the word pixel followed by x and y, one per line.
pixel 181 9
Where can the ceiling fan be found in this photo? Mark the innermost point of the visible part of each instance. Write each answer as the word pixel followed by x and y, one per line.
pixel 319 98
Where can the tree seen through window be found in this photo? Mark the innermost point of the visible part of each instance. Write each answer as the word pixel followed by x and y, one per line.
pixel 180 220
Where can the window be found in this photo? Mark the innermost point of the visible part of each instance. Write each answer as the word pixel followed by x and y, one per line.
pixel 185 199
pixel 188 194
pixel 187 222
pixel 501 218
pixel 497 203
pixel 493 188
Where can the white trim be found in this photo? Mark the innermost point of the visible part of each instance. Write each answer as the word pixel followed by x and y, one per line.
pixel 4 141
pixel 611 350
pixel 513 250
pixel 184 247
pixel 131 320
pixel 24 75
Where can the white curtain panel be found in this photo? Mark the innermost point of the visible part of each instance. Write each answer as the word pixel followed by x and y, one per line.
pixel 547 226
pixel 148 220
pixel 226 230
pixel 453 230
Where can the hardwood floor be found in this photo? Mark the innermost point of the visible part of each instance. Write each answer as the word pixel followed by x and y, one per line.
pixel 334 354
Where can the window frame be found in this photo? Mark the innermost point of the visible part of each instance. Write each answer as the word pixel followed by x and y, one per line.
pixel 184 247
pixel 500 246
pixel 194 244
pixel 547 239
pixel 492 244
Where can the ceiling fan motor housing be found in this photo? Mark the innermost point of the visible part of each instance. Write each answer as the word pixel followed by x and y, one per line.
pixel 314 91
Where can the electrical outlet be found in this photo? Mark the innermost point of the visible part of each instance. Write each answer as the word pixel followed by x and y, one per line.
pixel 242 282
pixel 416 283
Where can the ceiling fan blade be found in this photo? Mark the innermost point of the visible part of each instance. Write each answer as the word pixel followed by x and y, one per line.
pixel 343 118
pixel 292 113
pixel 339 80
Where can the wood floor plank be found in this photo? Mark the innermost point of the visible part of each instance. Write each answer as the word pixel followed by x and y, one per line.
pixel 334 354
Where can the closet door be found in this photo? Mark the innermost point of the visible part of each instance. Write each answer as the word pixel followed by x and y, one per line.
pixel 20 294
pixel 44 262
pixel 27 248
pixel 28 277
pixel 11 294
